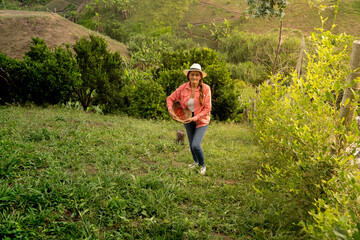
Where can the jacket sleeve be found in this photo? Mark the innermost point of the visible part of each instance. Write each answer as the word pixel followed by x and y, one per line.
pixel 175 96
pixel 207 105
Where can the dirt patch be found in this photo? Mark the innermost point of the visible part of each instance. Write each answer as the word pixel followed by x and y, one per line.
pixel 221 236
pixel 99 124
pixel 18 27
pixel 90 169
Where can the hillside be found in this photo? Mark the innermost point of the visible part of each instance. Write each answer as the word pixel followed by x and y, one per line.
pixel 194 19
pixel 299 16
pixel 18 27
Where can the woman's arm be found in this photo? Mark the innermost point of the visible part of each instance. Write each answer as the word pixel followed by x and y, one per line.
pixel 175 96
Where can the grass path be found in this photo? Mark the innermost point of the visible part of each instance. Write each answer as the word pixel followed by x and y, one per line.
pixel 66 174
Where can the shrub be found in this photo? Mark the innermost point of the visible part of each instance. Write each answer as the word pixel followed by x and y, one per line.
pixel 53 75
pixel 145 99
pixel 147 50
pixel 300 123
pixel 116 30
pixel 12 81
pixel 44 76
pixel 224 100
pixel 170 79
pixel 101 72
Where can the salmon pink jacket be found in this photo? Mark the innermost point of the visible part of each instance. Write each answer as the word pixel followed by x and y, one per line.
pixel 182 94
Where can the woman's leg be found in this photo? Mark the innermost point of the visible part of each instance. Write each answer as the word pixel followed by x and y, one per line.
pixel 196 142
pixel 190 132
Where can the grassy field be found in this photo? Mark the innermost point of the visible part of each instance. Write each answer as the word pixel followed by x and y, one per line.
pixel 66 174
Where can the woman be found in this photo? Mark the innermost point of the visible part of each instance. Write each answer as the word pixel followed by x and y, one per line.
pixel 195 96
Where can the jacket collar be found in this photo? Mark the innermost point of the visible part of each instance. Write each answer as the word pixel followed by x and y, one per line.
pixel 188 86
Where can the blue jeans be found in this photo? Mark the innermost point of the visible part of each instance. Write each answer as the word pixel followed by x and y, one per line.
pixel 195 136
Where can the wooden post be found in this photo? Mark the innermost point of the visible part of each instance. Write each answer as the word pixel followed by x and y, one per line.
pixel 299 62
pixel 347 111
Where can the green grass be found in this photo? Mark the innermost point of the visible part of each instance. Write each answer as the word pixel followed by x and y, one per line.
pixel 66 174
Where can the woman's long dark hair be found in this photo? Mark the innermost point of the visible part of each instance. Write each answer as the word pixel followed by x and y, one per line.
pixel 201 96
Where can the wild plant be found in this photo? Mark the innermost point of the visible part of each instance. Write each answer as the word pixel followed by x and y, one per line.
pixel 298 118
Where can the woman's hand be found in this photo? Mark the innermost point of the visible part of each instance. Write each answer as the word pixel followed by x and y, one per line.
pixel 189 120
pixel 174 116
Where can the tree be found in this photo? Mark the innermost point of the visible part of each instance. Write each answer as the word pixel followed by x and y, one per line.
pixel 52 74
pixel 270 8
pixel 11 80
pixel 101 72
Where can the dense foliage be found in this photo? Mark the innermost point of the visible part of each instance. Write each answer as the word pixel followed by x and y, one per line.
pixel 300 123
pixel 48 76
pixel 94 76
pixel 101 73
pixel 44 76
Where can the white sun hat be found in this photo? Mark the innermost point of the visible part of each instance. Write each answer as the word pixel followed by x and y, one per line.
pixel 195 68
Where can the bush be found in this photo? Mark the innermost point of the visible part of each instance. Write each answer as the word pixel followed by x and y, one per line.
pixel 147 50
pixel 145 99
pixel 44 76
pixel 101 72
pixel 116 30
pixel 171 79
pixel 224 99
pixel 12 81
pixel 301 124
pixel 53 75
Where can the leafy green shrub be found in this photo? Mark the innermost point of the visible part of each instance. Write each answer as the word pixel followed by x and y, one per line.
pixel 116 30
pixel 246 95
pixel 147 50
pixel 145 99
pixel 301 124
pixel 101 72
pixel 337 215
pixel 53 74
pixel 12 82
pixel 224 100
pixel 171 79
pixel 44 76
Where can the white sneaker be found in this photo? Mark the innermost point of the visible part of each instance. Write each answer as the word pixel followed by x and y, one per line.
pixel 203 170
pixel 192 165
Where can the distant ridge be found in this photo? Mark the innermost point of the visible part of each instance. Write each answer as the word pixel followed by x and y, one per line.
pixel 18 27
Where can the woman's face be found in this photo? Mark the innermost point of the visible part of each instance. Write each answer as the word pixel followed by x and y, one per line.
pixel 195 78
